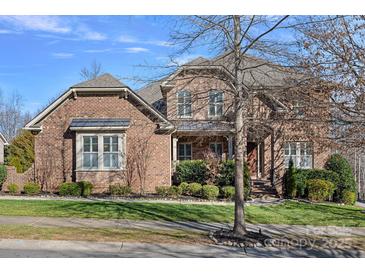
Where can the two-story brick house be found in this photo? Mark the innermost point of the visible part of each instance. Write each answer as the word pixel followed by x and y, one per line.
pixel 102 131
pixel 197 100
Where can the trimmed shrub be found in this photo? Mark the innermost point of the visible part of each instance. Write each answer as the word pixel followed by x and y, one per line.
pixel 32 188
pixel 120 190
pixel 319 190
pixel 86 188
pixel 290 181
pixel 13 188
pixel 184 188
pixel 341 166
pixel 195 189
pixel 174 191
pixel 210 192
pixel 226 176
pixel 69 189
pixel 302 175
pixel 228 192
pixel 192 171
pixel 21 151
pixel 348 197
pixel 2 175
pixel 162 190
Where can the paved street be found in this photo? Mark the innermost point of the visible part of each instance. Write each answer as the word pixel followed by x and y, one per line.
pixel 36 248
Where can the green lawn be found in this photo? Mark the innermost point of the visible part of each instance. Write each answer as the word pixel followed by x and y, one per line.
pixel 286 213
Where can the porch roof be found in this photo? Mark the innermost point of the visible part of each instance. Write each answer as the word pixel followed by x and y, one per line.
pixel 204 126
pixel 99 123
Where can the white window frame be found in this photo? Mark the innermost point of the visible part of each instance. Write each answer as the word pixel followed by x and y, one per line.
pixel 299 156
pixel 100 136
pixel 184 156
pixel 215 104
pixel 184 104
pixel 298 108
pixel 215 148
pixel 89 152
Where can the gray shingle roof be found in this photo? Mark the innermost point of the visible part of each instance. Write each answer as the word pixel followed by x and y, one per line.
pixel 199 126
pixel 99 122
pixel 103 81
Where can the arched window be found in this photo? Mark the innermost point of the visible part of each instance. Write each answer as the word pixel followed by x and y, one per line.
pixel 215 103
pixel 184 103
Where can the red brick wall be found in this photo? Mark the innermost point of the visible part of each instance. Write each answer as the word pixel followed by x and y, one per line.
pixel 55 145
pixel 13 177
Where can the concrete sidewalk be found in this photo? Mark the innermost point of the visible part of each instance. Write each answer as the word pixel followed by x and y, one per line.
pixel 67 249
pixel 179 225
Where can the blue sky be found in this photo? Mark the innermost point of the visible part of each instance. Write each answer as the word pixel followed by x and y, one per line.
pixel 41 56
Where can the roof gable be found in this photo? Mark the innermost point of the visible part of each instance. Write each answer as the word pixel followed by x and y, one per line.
pixel 103 81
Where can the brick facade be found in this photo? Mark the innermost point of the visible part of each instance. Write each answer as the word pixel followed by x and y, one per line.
pixel 55 144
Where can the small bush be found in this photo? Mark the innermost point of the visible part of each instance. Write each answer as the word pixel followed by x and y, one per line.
pixel 341 166
pixel 184 188
pixel 174 191
pixel 2 175
pixel 348 197
pixel 226 176
pixel 192 171
pixel 69 189
pixel 120 190
pixel 86 188
pixel 210 192
pixel 195 189
pixel 228 192
pixel 13 188
pixel 32 188
pixel 302 175
pixel 319 190
pixel 162 190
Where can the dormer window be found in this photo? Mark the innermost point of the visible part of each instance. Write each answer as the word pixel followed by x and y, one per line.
pixel 215 103
pixel 184 104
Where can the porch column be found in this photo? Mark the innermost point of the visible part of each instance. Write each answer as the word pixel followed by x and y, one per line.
pixel 272 144
pixel 174 150
pixel 230 147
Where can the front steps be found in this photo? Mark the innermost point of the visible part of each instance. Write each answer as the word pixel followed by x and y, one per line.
pixel 262 189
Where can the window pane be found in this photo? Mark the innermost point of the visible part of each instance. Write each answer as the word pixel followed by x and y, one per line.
pixel 219 149
pixel 188 110
pixel 94 160
pixel 114 160
pixel 219 110
pixel 87 160
pixel 181 150
pixel 188 149
pixel 106 159
pixel 212 110
pixel 212 147
pixel 94 141
pixel 220 97
pixel 86 143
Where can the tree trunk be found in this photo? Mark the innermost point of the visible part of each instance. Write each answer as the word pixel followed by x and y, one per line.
pixel 241 133
pixel 240 148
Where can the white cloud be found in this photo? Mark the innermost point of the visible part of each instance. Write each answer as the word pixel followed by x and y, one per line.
pixel 159 43
pixel 5 31
pixel 127 39
pixel 86 33
pixel 136 50
pixel 62 55
pixel 37 23
pixel 97 50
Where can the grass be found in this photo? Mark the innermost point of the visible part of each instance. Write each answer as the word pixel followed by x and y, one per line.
pixel 287 213
pixel 101 234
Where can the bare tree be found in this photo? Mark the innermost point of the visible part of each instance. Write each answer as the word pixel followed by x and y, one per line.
pixel 11 117
pixel 235 36
pixel 89 73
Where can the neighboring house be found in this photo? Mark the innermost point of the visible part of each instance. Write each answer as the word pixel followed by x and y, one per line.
pixel 3 143
pixel 103 132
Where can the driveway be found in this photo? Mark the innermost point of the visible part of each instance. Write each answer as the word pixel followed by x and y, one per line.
pixel 66 249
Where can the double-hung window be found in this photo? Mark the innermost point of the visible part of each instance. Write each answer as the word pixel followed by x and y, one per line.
pixel 301 154
pixel 184 104
pixel 215 103
pixel 217 149
pixel 298 108
pixel 100 151
pixel 185 151
pixel 110 152
pixel 90 152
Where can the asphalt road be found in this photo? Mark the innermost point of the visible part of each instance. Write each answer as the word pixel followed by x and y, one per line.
pixel 66 249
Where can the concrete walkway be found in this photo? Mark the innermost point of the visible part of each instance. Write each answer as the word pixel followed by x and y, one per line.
pixel 180 225
pixel 66 249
